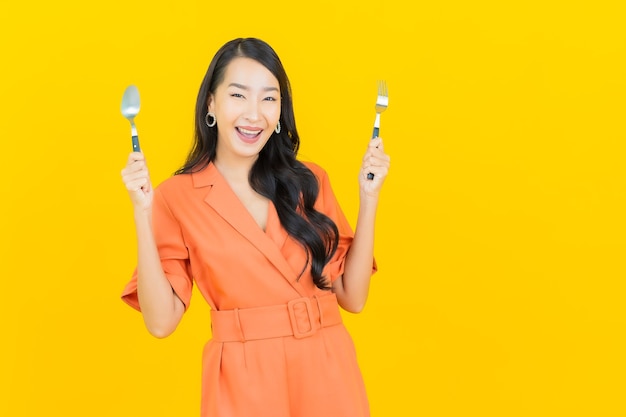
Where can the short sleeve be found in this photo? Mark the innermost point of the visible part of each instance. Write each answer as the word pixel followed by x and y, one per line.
pixel 172 252
pixel 327 203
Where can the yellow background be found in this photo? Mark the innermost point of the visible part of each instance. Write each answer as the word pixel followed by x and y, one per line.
pixel 501 234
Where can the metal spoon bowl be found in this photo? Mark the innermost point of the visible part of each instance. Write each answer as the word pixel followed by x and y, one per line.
pixel 130 108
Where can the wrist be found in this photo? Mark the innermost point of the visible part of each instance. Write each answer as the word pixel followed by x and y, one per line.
pixel 368 199
pixel 143 216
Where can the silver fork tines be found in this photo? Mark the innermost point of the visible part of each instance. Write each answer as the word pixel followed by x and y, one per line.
pixel 382 100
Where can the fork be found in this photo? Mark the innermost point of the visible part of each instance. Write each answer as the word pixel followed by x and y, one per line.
pixel 382 100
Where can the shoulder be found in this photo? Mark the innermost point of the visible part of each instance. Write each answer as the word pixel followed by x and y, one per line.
pixel 172 192
pixel 326 193
pixel 319 172
pixel 197 181
pixel 175 184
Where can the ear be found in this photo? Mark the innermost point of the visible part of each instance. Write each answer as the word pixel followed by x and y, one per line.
pixel 210 103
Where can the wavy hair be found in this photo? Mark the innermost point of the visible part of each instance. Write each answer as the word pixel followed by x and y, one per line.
pixel 276 174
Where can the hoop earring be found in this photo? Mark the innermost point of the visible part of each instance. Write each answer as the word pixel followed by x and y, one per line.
pixel 277 130
pixel 206 119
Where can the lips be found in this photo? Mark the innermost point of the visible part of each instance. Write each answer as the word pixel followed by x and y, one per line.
pixel 249 135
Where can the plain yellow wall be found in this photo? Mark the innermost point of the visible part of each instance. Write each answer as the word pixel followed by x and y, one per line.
pixel 501 235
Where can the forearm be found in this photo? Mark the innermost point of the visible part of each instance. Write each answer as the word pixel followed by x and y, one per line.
pixel 352 288
pixel 161 308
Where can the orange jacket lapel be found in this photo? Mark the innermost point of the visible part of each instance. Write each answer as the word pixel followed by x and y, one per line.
pixel 225 203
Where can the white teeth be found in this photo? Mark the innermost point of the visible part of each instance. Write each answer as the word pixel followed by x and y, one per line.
pixel 248 132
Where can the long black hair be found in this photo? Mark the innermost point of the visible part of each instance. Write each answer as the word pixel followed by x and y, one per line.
pixel 276 174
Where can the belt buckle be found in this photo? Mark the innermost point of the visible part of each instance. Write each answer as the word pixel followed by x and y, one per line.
pixel 294 319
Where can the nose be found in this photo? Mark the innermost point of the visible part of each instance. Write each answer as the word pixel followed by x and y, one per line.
pixel 252 111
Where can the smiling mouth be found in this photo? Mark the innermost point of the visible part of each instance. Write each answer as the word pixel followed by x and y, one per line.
pixel 251 134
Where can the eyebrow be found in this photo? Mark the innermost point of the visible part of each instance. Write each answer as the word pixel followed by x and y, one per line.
pixel 243 87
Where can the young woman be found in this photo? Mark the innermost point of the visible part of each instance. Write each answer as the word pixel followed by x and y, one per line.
pixel 262 236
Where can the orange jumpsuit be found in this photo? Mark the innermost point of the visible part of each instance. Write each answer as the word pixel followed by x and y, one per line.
pixel 278 346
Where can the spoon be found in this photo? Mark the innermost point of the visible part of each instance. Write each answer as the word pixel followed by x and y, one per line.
pixel 130 108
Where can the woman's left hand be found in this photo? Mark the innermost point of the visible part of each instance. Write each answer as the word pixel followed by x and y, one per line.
pixel 376 162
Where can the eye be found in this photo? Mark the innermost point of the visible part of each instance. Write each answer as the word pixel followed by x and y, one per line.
pixel 269 99
pixel 237 95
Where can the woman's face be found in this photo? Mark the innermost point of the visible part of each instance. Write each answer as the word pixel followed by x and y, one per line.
pixel 247 108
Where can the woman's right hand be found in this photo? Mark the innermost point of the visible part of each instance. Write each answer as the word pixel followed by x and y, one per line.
pixel 137 181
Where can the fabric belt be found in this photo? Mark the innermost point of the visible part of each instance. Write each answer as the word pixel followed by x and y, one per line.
pixel 299 318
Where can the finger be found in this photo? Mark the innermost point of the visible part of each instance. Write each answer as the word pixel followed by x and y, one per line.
pixel 130 174
pixel 137 185
pixel 378 167
pixel 134 166
pixel 380 172
pixel 377 153
pixel 135 156
pixel 375 143
pixel 375 166
pixel 376 158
